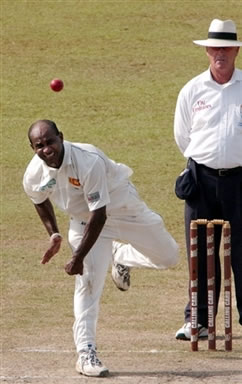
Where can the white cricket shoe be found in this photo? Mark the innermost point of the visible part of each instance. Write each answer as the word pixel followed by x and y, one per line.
pixel 120 272
pixel 184 333
pixel 89 365
pixel 121 276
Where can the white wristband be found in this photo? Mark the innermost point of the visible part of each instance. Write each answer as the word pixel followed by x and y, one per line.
pixel 54 235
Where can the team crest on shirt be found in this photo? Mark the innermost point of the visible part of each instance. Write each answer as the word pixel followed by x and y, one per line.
pixel 93 197
pixel 74 182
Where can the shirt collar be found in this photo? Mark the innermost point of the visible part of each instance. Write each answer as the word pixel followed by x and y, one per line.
pixel 237 76
pixel 67 154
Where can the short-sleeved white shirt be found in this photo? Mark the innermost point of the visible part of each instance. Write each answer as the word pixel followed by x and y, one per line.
pixel 208 121
pixel 87 180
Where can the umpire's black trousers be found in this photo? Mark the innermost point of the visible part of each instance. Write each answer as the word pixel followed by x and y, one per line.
pixel 219 197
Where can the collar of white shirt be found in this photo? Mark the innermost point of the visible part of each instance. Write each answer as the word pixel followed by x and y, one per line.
pixel 237 76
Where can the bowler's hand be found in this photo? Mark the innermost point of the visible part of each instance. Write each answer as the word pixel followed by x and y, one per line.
pixel 55 244
pixel 74 267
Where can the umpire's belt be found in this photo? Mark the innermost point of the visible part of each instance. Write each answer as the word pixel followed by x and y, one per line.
pixel 221 172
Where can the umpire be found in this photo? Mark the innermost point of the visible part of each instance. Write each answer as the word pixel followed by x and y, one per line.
pixel 208 130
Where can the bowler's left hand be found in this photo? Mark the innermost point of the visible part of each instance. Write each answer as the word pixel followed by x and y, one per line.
pixel 74 267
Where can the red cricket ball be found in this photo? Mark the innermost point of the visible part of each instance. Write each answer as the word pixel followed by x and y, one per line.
pixel 56 85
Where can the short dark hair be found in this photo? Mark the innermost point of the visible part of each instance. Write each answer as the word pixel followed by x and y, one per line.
pixel 50 123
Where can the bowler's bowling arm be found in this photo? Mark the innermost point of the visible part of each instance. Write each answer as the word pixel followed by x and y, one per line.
pixel 46 213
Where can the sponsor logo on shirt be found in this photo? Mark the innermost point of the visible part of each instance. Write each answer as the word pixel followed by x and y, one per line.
pixel 74 182
pixel 201 105
pixel 92 197
pixel 48 185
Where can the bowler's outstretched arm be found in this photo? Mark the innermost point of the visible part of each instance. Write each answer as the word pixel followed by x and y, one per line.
pixel 47 215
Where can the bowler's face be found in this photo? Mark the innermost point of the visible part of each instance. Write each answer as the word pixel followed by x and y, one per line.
pixel 47 145
pixel 222 58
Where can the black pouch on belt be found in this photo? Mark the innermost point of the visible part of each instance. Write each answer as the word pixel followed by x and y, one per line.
pixel 186 184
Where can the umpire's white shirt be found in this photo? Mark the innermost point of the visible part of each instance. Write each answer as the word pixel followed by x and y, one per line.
pixel 87 180
pixel 208 121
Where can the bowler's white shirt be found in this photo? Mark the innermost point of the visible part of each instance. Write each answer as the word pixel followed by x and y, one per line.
pixel 208 121
pixel 87 180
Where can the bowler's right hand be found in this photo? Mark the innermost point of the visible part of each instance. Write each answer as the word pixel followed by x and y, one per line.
pixel 54 248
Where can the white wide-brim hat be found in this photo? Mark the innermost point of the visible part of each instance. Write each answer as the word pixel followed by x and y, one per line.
pixel 221 34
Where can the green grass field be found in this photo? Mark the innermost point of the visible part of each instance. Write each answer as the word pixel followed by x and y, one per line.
pixel 123 64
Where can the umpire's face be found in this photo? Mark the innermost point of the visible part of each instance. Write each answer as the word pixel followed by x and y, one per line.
pixel 47 144
pixel 222 59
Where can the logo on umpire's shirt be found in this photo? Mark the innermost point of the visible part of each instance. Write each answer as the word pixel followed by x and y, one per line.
pixel 93 197
pixel 201 105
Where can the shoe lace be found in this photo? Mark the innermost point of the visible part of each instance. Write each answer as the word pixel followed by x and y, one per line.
pixel 123 271
pixel 92 358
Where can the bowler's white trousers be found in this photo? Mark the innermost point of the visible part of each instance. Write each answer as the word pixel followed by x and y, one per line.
pixel 147 245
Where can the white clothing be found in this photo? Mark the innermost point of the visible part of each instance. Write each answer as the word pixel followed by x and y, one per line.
pixel 208 121
pixel 88 180
pixel 149 245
